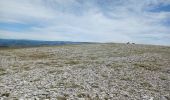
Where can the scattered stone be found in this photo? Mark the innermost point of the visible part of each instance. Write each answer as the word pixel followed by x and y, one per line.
pixel 85 72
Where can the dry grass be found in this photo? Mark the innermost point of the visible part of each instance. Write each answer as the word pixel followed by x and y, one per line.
pixel 87 71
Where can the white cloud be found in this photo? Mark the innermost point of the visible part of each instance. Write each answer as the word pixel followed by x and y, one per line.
pixel 76 20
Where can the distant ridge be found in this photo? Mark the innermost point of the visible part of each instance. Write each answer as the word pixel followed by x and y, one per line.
pixel 29 43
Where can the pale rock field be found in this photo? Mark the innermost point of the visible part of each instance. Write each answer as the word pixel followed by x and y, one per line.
pixel 106 71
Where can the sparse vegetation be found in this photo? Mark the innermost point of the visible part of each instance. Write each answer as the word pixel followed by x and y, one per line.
pixel 146 84
pixel 148 66
pixel 82 95
pixel 115 65
pixel 61 98
pixel 2 71
pixel 126 78
pixel 72 62
pixel 87 71
pixel 163 77
pixel 5 94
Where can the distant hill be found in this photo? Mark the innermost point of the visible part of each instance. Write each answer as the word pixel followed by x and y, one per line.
pixel 27 43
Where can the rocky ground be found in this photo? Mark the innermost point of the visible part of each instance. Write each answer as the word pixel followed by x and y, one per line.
pixel 85 72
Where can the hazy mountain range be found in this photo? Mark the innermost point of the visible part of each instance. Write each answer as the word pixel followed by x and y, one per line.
pixel 26 43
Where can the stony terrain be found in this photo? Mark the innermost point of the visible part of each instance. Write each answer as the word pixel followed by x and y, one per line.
pixel 85 72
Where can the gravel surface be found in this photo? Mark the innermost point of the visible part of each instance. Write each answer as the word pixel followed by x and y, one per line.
pixel 86 72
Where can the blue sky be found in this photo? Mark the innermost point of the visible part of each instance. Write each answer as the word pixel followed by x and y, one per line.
pixel 139 21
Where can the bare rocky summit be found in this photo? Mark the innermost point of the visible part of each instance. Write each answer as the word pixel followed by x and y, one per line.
pixel 86 72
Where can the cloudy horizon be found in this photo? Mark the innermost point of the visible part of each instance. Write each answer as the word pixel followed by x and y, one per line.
pixel 139 21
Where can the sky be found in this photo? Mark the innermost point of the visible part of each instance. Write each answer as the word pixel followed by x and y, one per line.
pixel 138 21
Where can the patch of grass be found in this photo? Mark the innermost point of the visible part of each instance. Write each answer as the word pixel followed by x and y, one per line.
pixel 26 68
pixel 66 95
pixel 96 97
pixel 44 63
pixel 73 85
pixel 55 71
pixel 15 98
pixel 147 66
pixel 52 71
pixel 21 67
pixel 61 98
pixel 39 55
pixel 59 71
pixel 50 63
pixel 68 85
pixel 146 84
pixel 132 91
pixel 72 62
pixel 53 62
pixel 115 65
pixel 5 94
pixel 138 51
pixel 167 97
pixel 2 71
pixel 94 85
pixel 163 77
pixel 93 58
pixel 104 74
pixel 99 62
pixel 61 85
pixel 126 78
pixel 81 67
pixel 36 80
pixel 83 95
pixel 15 65
pixel 35 55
